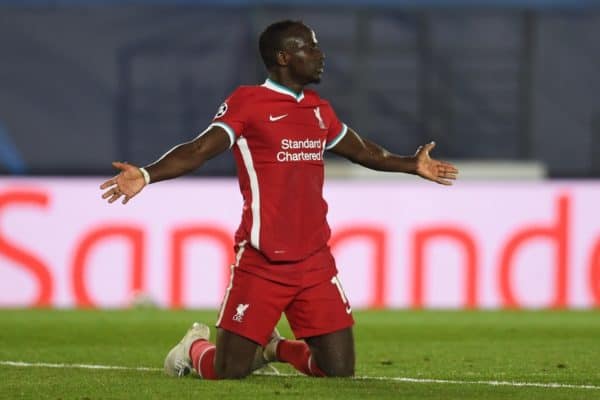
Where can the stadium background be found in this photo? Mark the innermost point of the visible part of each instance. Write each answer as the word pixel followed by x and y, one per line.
pixel 508 90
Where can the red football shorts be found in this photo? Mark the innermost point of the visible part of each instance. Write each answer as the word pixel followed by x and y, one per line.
pixel 308 292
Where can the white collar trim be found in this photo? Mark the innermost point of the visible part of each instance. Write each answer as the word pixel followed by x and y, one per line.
pixel 276 87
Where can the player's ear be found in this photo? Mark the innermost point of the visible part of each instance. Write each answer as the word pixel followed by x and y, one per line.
pixel 283 58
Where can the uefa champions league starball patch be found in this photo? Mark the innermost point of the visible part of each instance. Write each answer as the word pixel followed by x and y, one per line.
pixel 221 111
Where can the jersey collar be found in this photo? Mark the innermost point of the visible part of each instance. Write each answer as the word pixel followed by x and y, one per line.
pixel 276 87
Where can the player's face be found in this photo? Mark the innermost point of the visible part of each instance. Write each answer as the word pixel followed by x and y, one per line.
pixel 307 60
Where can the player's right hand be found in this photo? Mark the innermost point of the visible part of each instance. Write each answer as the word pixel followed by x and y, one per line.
pixel 127 183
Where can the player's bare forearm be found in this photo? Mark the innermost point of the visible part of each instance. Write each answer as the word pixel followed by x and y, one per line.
pixel 371 155
pixel 180 160
pixel 187 157
pixel 377 158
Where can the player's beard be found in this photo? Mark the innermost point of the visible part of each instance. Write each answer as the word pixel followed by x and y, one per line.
pixel 318 73
pixel 316 78
pixel 310 76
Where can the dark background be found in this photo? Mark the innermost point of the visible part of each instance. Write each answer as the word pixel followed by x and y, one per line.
pixel 83 83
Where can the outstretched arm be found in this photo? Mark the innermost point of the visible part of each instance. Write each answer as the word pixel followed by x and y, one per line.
pixel 178 161
pixel 371 155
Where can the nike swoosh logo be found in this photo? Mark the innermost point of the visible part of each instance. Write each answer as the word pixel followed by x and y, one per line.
pixel 277 118
pixel 348 310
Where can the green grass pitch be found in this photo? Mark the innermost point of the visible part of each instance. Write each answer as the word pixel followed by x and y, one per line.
pixel 464 352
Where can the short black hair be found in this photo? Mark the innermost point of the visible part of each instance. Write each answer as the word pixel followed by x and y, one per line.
pixel 271 40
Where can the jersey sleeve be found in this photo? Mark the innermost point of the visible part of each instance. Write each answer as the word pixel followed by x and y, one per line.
pixel 336 130
pixel 231 116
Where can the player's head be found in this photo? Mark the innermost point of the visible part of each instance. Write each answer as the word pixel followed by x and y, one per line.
pixel 292 46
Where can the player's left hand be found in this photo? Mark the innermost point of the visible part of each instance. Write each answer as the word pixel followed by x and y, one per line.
pixel 441 172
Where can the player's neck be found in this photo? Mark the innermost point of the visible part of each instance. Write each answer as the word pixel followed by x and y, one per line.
pixel 286 82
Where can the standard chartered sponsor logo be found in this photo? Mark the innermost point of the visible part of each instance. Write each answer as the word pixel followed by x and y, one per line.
pixel 287 144
pixel 284 156
pixel 301 150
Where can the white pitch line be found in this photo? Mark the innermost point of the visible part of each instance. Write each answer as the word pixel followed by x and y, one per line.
pixel 83 366
pixel 489 383
pixel 551 385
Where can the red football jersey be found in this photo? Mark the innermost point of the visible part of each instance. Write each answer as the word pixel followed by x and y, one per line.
pixel 278 139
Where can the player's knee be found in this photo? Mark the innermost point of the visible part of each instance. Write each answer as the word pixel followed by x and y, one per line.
pixel 232 370
pixel 339 370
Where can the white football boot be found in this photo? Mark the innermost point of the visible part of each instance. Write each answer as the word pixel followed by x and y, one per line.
pixel 270 350
pixel 178 362
pixel 260 357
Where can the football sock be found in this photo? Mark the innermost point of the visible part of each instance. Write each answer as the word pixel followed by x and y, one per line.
pixel 297 353
pixel 202 353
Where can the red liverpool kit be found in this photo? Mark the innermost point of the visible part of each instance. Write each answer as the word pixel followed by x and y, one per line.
pixel 283 263
pixel 278 140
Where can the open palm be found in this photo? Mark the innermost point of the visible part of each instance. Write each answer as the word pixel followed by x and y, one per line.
pixel 441 172
pixel 127 183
